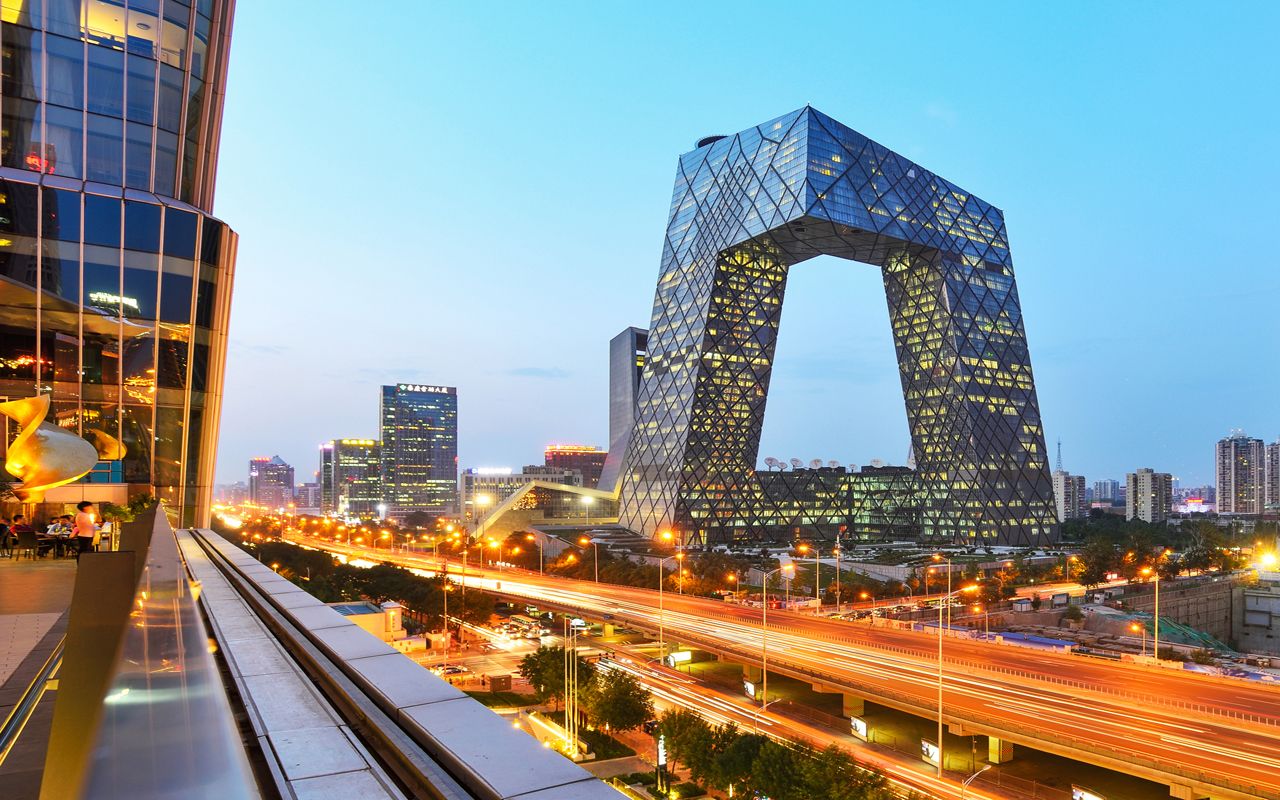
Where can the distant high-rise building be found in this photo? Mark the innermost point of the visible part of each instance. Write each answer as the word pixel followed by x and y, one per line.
pixel 1238 462
pixel 585 459
pixel 1271 476
pixel 627 353
pixel 1068 492
pixel 419 448
pixel 233 494
pixel 1106 491
pixel 270 482
pixel 307 498
pixel 1148 495
pixel 351 478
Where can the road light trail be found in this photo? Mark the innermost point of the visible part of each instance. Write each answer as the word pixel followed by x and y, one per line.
pixel 1096 714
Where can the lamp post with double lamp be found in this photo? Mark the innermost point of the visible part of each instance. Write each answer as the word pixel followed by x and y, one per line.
pixel 787 570
pixel 595 550
pixel 662 620
pixel 668 536
pixel 817 570
pixel 1154 574
pixel 944 602
pixel 529 537
pixel 1136 628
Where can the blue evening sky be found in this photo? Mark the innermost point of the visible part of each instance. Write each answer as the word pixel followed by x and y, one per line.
pixel 475 195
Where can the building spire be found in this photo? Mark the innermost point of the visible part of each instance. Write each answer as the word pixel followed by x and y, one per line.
pixel 1059 454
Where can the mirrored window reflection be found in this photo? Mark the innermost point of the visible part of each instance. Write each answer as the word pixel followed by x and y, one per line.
pixel 175 290
pixel 21 147
pixel 106 81
pixel 140 278
pixel 141 92
pixel 144 27
pixel 63 16
pixel 168 453
pixel 180 233
pixel 141 226
pixel 138 363
pixel 98 417
pixel 173 46
pixel 137 156
pixel 64 141
pixel 166 164
pixel 19 215
pixel 102 220
pixel 135 430
pixel 193 442
pixel 170 111
pixel 64 65
pixel 104 146
pixel 199 362
pixel 100 355
pixel 171 361
pixel 206 297
pixel 21 63
pixel 61 268
pixel 200 46
pixel 61 348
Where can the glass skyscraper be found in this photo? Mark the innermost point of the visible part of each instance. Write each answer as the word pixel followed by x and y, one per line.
pixel 419 449
pixel 748 207
pixel 351 478
pixel 115 280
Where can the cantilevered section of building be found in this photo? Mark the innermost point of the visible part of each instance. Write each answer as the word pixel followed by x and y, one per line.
pixel 748 207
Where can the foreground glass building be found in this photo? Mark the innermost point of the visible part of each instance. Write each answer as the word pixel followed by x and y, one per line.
pixel 115 280
pixel 748 207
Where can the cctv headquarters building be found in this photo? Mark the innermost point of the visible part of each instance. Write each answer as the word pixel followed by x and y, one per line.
pixel 115 280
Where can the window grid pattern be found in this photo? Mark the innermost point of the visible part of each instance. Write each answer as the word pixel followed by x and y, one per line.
pixel 744 210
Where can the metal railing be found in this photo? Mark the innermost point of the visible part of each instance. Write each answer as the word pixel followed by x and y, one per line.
pixel 141 709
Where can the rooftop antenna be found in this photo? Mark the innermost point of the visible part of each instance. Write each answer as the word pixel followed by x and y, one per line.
pixel 1059 454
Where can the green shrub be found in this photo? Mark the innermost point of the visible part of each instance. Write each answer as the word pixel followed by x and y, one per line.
pixel 685 790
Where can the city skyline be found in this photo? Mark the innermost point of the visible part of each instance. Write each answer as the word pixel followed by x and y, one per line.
pixel 1113 282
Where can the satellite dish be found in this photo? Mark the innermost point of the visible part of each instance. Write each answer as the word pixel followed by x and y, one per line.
pixel 815 464
pixel 771 463
pixel 877 462
pixel 833 464
pixel 796 463
pixel 853 467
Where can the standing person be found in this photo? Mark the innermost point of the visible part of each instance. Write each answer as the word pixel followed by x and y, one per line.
pixel 6 540
pixel 83 528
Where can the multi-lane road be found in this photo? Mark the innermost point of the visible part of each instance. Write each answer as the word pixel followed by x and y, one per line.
pixel 1208 736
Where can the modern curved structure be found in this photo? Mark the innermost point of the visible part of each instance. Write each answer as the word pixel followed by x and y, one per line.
pixel 115 278
pixel 748 207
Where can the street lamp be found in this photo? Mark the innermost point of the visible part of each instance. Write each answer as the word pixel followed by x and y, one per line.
pixel 595 550
pixel 529 537
pixel 986 617
pixel 477 523
pixel 788 570
pixel 587 502
pixel 1135 627
pixel 1154 574
pixel 662 641
pixel 817 573
pixel 944 602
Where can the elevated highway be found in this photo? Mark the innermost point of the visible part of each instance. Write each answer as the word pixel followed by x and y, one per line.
pixel 1202 736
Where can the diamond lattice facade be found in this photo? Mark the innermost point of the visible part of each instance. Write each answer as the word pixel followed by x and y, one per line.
pixel 748 207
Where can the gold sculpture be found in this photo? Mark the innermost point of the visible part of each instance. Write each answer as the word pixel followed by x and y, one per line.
pixel 44 456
